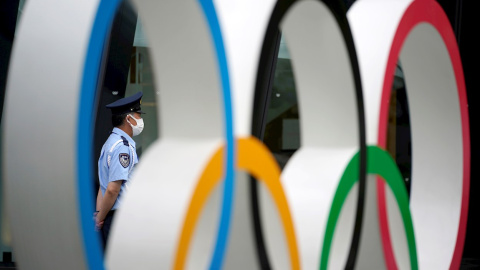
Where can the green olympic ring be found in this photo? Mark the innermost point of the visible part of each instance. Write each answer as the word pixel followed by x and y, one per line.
pixel 381 163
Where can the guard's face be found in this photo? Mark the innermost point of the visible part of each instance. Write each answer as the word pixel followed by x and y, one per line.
pixel 136 115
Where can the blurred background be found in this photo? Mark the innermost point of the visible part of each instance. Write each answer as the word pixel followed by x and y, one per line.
pixel 126 69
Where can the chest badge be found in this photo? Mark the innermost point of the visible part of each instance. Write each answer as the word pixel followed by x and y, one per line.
pixel 124 159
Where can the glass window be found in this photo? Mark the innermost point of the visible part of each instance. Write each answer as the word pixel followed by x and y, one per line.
pixel 140 78
pixel 399 141
pixel 282 128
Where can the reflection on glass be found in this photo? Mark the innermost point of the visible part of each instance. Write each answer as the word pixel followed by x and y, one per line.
pixel 282 131
pixel 399 142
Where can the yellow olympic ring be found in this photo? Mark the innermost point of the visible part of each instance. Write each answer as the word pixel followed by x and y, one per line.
pixel 256 159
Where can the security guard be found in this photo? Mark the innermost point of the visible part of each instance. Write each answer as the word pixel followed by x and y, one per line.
pixel 117 159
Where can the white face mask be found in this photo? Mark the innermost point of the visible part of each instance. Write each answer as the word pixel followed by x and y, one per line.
pixel 138 128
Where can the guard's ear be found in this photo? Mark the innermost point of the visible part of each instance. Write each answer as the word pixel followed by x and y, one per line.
pixel 132 119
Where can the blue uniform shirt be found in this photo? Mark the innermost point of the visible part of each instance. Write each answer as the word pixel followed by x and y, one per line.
pixel 116 162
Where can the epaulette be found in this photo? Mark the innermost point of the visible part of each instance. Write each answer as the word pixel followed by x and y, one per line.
pixel 125 142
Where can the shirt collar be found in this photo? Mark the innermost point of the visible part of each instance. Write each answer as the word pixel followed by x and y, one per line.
pixel 124 134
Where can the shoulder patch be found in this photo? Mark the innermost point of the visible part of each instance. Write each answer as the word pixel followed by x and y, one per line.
pixel 124 159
